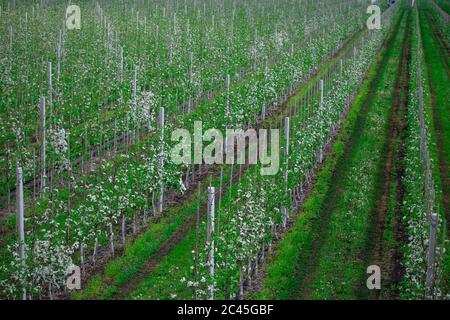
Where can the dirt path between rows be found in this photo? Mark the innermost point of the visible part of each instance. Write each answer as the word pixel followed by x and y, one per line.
pixel 311 267
pixel 441 126
pixel 387 256
pixel 439 39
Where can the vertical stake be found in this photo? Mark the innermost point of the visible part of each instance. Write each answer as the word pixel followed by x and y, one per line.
pixel 20 220
pixel 432 251
pixel 161 163
pixel 43 143
pixel 50 89
pixel 210 236
pixel 321 115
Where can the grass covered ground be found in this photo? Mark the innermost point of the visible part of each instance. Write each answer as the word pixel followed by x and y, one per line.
pixel 438 105
pixel 321 257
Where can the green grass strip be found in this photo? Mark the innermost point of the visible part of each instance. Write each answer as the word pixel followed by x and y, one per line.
pixel 437 105
pixel 287 267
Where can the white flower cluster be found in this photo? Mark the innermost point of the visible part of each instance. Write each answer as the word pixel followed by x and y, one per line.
pixel 58 142
pixel 142 109
pixel 47 258
pixel 244 229
pixel 280 39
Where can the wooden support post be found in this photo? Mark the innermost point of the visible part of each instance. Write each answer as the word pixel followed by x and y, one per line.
pixel 123 229
pixel 190 82
pixel 210 236
pixel 121 64
pixel 20 220
pixel 321 115
pixel 43 143
pixel 10 38
pixel 286 155
pixel 50 89
pixel 111 239
pixel 227 110
pixel 287 134
pixel 135 83
pixel 432 252
pixel 20 213
pixel 161 163
pixel 220 201
pixel 227 113
pixel 58 61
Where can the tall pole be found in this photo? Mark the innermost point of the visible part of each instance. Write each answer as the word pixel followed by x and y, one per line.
pixel 121 64
pixel 20 219
pixel 10 38
pixel 43 144
pixel 50 88
pixel 286 155
pixel 432 251
pixel 210 236
pixel 190 81
pixel 227 111
pixel 321 120
pixel 161 159
pixel 58 56
pixel 20 213
pixel 135 83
